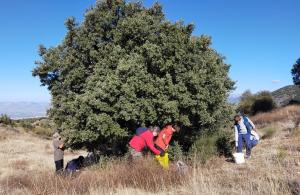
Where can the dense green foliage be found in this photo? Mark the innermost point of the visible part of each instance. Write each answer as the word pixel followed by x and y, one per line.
pixel 255 103
pixel 296 72
pixel 127 66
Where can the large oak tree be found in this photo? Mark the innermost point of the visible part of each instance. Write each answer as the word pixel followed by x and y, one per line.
pixel 124 66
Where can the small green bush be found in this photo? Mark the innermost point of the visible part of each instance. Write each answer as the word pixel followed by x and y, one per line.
pixel 254 103
pixel 44 132
pixel 46 123
pixel 263 102
pixel 209 145
pixel 175 152
pixel 204 148
pixel 27 125
pixel 225 144
pixel 39 126
pixel 6 120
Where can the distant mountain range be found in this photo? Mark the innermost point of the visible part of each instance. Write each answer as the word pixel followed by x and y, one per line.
pixel 20 110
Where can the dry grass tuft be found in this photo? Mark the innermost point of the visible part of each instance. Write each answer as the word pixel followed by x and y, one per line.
pixel 19 164
pixel 145 175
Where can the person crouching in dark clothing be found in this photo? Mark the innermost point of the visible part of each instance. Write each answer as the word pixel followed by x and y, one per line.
pixel 74 165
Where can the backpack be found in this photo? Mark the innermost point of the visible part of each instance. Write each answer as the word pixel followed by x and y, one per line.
pixel 140 130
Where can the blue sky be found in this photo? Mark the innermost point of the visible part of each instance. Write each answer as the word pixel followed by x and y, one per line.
pixel 259 38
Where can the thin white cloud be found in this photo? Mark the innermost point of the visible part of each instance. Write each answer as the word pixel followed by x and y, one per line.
pixel 276 81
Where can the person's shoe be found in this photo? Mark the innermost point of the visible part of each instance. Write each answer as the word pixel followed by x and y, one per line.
pixel 247 156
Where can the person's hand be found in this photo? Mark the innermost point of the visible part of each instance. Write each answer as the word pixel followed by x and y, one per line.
pixel 162 154
pixel 62 146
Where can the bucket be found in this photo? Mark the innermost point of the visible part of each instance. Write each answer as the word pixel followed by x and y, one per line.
pixel 239 158
pixel 163 160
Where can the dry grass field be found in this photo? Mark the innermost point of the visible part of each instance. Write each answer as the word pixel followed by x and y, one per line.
pixel 27 167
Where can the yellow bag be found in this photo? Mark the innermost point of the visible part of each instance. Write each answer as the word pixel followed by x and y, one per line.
pixel 163 160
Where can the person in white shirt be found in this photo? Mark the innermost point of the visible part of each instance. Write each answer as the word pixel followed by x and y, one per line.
pixel 242 127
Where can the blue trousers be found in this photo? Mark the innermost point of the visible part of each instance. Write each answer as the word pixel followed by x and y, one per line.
pixel 254 142
pixel 244 138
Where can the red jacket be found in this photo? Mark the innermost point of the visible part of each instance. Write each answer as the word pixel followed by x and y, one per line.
pixel 145 139
pixel 164 137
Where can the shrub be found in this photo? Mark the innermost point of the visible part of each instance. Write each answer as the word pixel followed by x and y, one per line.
pixel 39 126
pixel 44 132
pixel 254 103
pixel 225 144
pixel 6 120
pixel 209 145
pixel 263 102
pixel 246 102
pixel 175 152
pixel 27 125
pixel 203 149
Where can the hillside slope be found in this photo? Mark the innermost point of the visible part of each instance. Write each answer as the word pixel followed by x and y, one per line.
pixel 286 95
pixel 27 167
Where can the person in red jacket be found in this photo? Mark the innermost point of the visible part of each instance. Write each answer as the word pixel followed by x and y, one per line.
pixel 142 140
pixel 164 137
pixel 162 144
